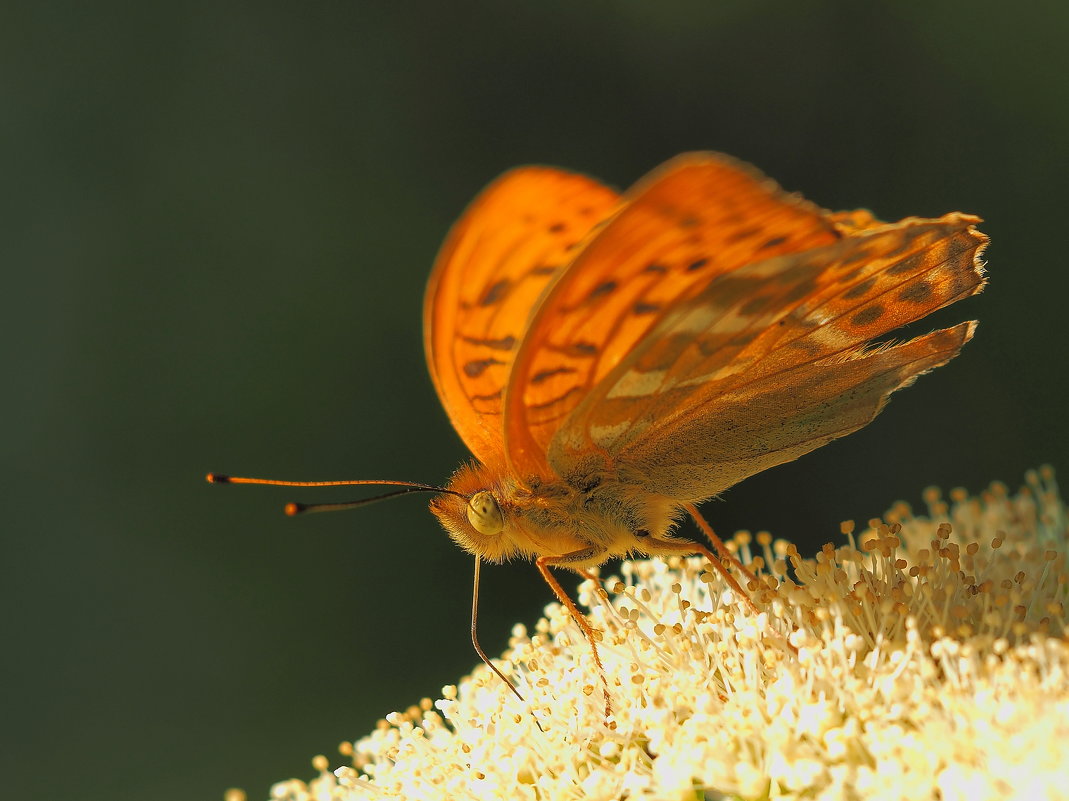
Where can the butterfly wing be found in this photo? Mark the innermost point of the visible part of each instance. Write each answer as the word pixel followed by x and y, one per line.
pixel 772 360
pixel 498 258
pixel 698 216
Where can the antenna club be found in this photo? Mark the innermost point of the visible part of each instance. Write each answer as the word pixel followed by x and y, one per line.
pixel 217 478
pixel 293 509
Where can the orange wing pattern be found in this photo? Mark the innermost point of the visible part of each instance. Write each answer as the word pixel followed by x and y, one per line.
pixel 699 216
pixel 498 258
pixel 781 340
pixel 611 361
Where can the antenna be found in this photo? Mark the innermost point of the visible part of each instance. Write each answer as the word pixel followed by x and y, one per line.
pixel 300 508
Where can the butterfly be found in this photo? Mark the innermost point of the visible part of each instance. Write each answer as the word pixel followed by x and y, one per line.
pixel 612 360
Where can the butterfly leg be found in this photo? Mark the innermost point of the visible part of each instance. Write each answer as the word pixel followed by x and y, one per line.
pixel 693 547
pixel 686 548
pixel 592 634
pixel 718 543
pixel 591 577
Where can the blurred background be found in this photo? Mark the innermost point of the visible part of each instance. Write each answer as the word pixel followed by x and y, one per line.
pixel 218 219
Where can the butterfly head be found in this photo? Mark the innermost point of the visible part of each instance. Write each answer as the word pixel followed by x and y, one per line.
pixel 477 516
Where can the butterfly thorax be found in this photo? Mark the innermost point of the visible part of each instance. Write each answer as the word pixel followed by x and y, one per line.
pixel 552 517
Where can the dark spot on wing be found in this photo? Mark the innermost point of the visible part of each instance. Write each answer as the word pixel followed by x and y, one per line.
pixel 476 367
pixel 697 265
pixel 601 289
pixel 775 241
pixel 689 221
pixel 907 265
pixel 860 290
pixel 556 228
pixel 867 316
pixel 541 376
pixel 543 269
pixel 745 233
pixel 860 255
pixel 495 292
pixel 646 308
pixel 581 349
pixel 503 343
pixel 919 292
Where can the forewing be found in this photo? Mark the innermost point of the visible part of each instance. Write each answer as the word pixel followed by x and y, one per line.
pixel 498 258
pixel 774 360
pixel 698 216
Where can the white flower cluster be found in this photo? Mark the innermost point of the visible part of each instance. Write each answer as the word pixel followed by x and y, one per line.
pixel 927 659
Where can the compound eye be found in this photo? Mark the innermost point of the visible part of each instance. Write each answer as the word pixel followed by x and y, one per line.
pixel 484 514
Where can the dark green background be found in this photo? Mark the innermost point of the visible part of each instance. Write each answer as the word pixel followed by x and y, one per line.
pixel 217 223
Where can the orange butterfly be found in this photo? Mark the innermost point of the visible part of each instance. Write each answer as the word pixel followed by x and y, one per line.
pixel 613 360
